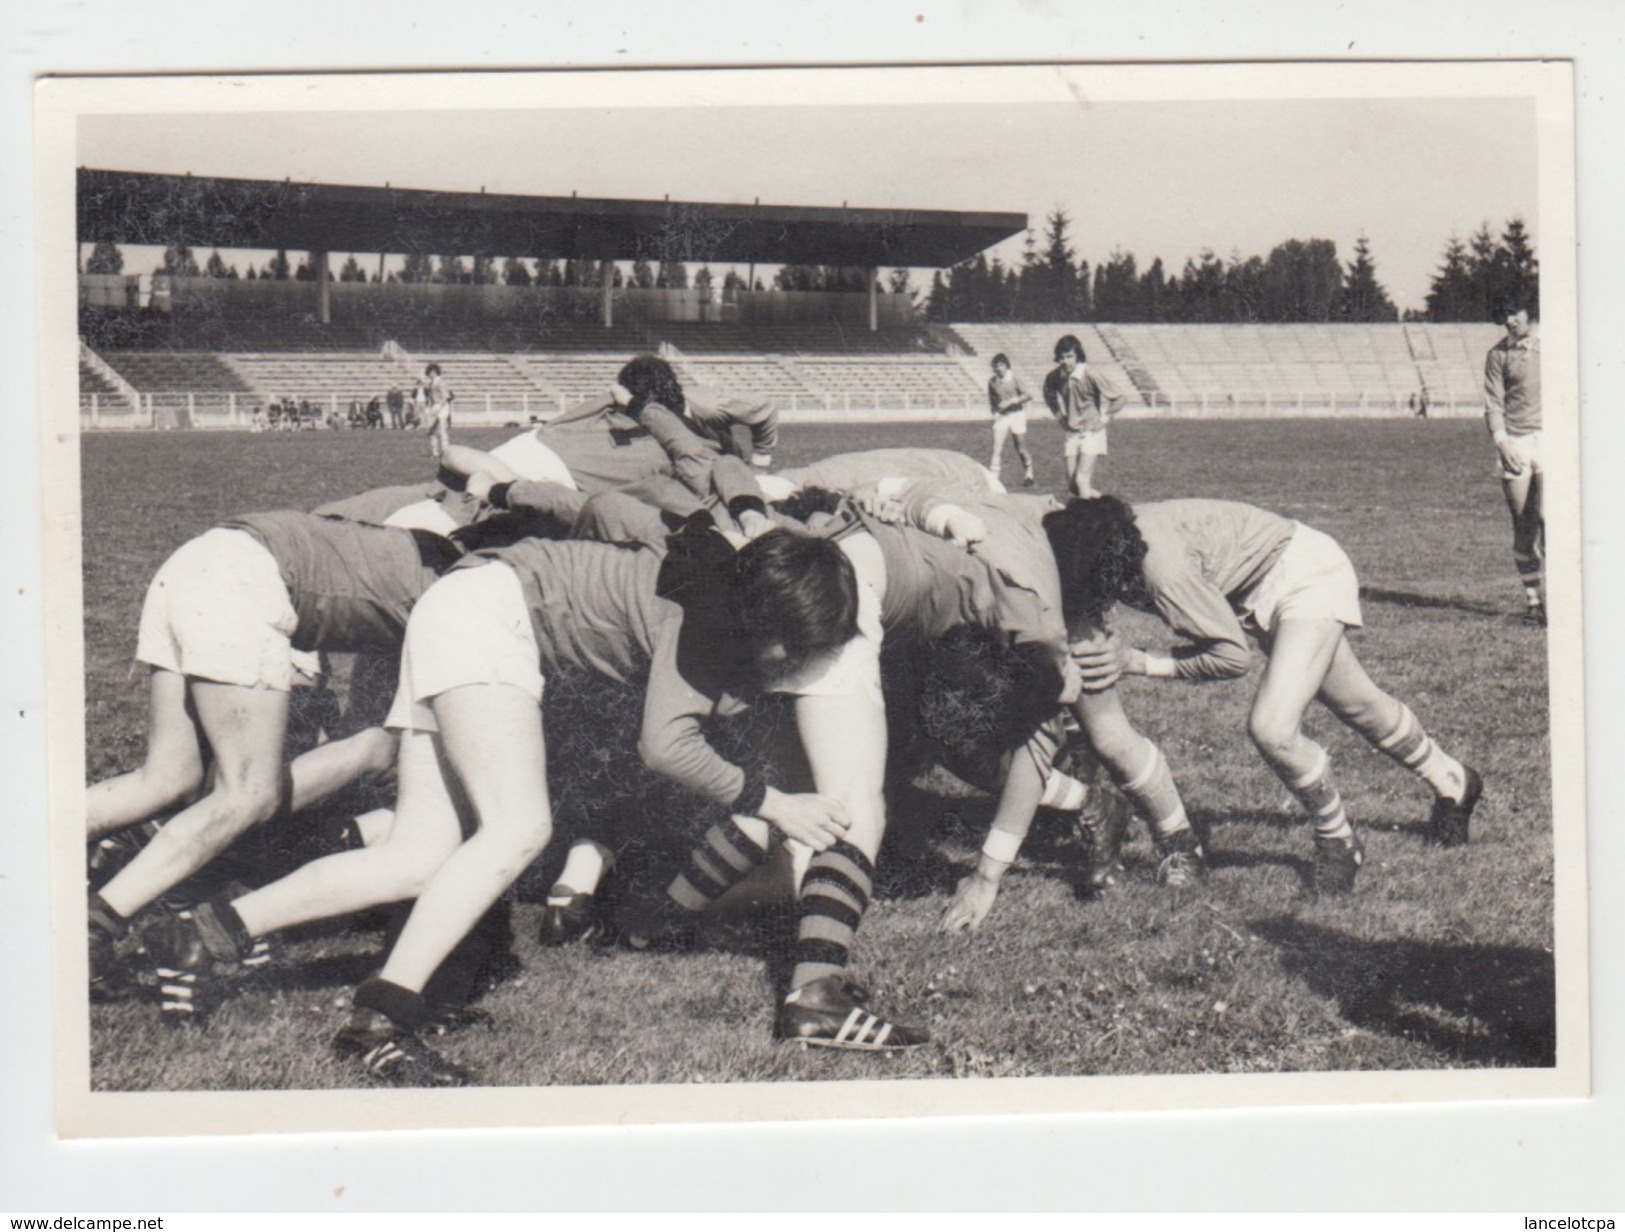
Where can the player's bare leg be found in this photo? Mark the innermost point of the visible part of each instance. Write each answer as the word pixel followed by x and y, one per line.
pixel 172 770
pixel 245 729
pixel 1390 727
pixel 1523 496
pixel 1301 652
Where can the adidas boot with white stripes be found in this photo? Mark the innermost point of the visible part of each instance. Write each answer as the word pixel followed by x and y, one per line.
pixel 829 1013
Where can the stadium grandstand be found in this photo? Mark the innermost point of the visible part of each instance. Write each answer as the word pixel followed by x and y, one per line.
pixel 166 351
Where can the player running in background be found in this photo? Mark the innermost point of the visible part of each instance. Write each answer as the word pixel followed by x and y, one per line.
pixel 1512 411
pixel 1217 571
pixel 1084 403
pixel 1008 398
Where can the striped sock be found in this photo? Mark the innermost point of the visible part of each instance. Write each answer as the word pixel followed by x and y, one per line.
pixel 721 861
pixel 1154 795
pixel 1320 798
pixel 834 897
pixel 1414 749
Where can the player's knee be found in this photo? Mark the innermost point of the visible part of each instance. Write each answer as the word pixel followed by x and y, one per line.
pixel 517 849
pixel 377 750
pixel 1274 735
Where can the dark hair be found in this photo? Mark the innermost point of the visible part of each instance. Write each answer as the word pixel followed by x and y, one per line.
pixel 1001 358
pixel 1511 304
pixel 797 591
pixel 432 369
pixel 1099 554
pixel 648 378
pixel 1069 342
pixel 981 697
pixel 803 503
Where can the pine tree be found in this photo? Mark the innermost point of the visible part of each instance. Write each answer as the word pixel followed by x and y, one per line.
pixel 1154 293
pixel 351 271
pixel 105 258
pixel 1363 298
pixel 450 269
pixel 1520 270
pixel 418 267
pixel 515 273
pixel 484 272
pixel 1451 296
pixel 277 267
pixel 1058 289
pixel 179 262
pixel 1481 269
pixel 643 276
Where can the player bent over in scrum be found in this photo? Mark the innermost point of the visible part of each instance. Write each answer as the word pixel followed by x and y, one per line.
pixel 228 621
pixel 1217 571
pixel 1014 541
pixel 471 679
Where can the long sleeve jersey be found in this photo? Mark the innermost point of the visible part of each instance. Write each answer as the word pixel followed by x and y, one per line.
pixel 1201 556
pixel 1082 401
pixel 1512 387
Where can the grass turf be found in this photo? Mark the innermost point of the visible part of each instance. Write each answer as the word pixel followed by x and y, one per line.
pixel 1441 959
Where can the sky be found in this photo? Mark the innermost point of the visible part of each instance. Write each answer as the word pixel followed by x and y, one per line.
pixel 1155 177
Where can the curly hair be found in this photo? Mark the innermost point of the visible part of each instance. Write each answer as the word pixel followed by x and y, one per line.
pixel 1069 342
pixel 1099 553
pixel 648 378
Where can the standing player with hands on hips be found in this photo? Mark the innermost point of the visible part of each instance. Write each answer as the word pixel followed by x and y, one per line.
pixel 1512 411
pixel 1084 403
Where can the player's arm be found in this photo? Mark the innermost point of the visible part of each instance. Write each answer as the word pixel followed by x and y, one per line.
pixel 691 455
pixel 1018 801
pixel 672 743
pixel 1108 397
pixel 1021 397
pixel 531 497
pixel 1495 409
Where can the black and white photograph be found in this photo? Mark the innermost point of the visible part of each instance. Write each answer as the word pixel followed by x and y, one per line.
pixel 713 595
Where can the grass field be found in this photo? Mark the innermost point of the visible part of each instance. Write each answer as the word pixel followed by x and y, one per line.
pixel 1441 959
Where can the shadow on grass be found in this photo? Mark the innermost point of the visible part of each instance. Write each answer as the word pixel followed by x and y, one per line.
pixel 1407 598
pixel 1483 1004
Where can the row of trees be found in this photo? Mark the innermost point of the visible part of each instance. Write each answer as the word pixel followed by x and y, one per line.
pixel 1300 280
pixel 179 261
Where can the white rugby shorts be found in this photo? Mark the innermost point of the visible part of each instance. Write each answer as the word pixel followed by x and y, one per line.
pixel 1086 444
pixel 1313 579
pixel 470 627
pixel 1526 449
pixel 528 458
pixel 219 610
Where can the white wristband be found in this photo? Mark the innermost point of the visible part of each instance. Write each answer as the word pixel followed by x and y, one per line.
pixel 1002 846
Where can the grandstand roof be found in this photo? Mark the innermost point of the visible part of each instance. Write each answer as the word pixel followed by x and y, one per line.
pixel 145 208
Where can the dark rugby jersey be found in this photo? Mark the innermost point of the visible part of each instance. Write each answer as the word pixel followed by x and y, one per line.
pixel 352 585
pixel 594 606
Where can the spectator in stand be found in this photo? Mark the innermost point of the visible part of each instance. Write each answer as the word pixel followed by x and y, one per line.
pixel 396 402
pixel 375 412
pixel 1084 403
pixel 1512 411
pixel 1008 398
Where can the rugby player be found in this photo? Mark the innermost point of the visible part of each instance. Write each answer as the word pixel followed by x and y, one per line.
pixel 1512 413
pixel 1219 571
pixel 1084 403
pixel 229 621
